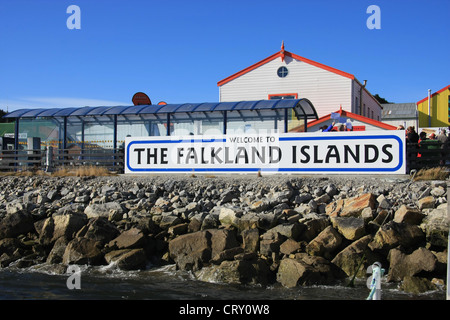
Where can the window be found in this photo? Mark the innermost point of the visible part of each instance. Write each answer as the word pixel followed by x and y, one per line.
pixel 283 96
pixel 282 72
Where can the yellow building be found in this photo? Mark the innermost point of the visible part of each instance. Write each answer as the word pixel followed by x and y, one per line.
pixel 434 111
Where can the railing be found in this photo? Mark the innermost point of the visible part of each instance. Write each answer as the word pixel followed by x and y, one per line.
pixel 25 158
pixel 52 159
pixel 427 154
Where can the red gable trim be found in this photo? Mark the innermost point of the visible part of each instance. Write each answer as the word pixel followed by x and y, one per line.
pixel 355 117
pixel 437 92
pixel 282 54
pixel 248 69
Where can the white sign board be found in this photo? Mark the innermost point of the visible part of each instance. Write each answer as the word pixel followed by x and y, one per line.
pixel 380 152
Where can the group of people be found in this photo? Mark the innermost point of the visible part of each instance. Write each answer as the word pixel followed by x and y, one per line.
pixel 411 134
pixel 343 127
pixel 421 142
pixel 413 137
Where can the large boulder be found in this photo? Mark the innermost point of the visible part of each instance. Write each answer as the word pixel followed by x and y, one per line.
pixel 436 226
pixel 99 229
pixel 270 242
pixel 402 264
pixel 15 223
pixel 56 254
pixel 325 244
pixel 227 254
pixel 313 227
pixel 250 240
pixel 191 251
pixel 356 255
pixel 267 220
pixel 129 239
pixel 61 226
pixel 408 215
pixel 288 230
pixel 292 272
pixel 289 246
pixel 417 285
pixel 229 216
pixel 426 203
pixel 68 225
pixel 334 208
pixel 110 210
pixel 9 245
pixel 260 205
pixel 352 207
pixel 83 251
pixel 392 234
pixel 352 228
pixel 307 270
pixel 127 259
pixel 239 272
pixel 169 219
pixel 17 206
pixel 45 231
pixel 71 208
pixel 222 239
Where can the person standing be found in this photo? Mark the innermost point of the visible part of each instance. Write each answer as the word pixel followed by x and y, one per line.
pixel 442 137
pixel 412 140
pixel 443 140
pixel 411 135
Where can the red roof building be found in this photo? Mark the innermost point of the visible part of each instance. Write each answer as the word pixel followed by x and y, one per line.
pixel 285 75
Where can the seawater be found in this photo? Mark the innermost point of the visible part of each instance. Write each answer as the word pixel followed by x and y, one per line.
pixel 167 283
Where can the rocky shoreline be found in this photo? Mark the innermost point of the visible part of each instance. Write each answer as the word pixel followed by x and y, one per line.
pixel 234 229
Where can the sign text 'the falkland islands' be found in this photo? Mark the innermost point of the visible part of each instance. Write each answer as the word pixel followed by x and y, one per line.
pixel 318 152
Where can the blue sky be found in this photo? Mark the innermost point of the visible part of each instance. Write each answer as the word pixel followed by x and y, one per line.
pixel 177 51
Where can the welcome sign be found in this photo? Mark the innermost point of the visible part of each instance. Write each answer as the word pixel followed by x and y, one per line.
pixel 319 152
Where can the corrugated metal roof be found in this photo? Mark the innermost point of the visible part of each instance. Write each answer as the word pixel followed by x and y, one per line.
pixel 303 107
pixel 398 111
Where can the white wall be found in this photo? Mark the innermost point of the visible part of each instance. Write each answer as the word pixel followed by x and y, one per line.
pixel 370 103
pixel 326 90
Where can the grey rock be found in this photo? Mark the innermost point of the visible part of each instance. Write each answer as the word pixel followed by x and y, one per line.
pixel 83 251
pixel 104 210
pixel 127 259
pixel 352 228
pixel 15 223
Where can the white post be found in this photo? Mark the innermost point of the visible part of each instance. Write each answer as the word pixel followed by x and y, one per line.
pixel 49 159
pixel 429 107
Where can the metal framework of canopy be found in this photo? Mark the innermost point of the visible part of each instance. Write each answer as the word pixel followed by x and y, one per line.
pixel 303 110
